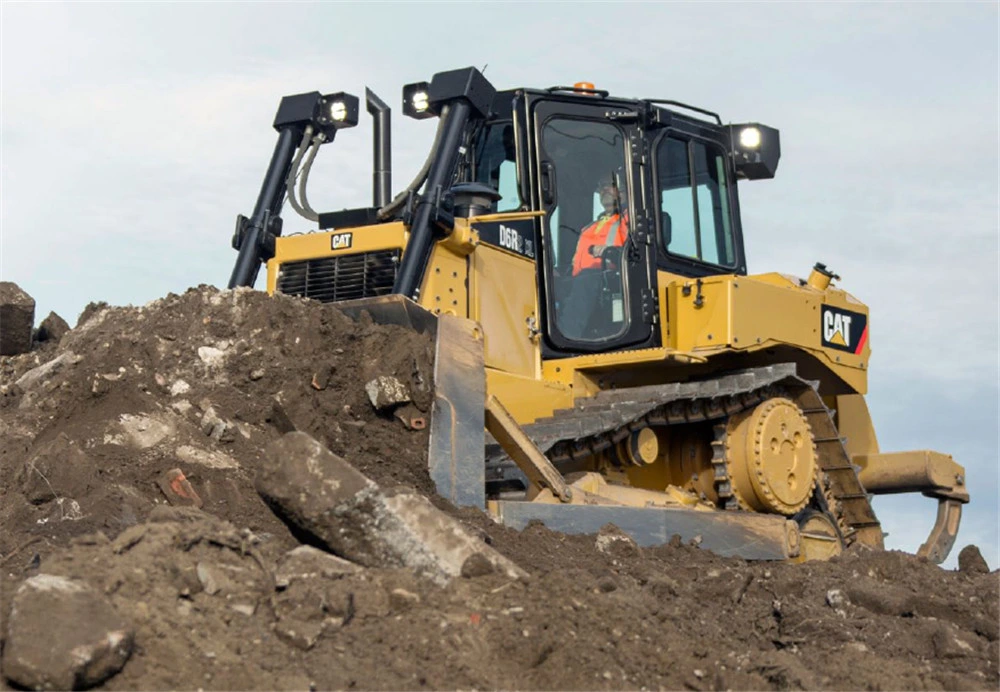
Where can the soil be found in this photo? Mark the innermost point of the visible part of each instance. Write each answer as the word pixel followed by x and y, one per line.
pixel 203 381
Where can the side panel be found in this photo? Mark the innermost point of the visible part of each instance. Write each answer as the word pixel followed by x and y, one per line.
pixel 754 313
pixel 445 289
pixel 504 301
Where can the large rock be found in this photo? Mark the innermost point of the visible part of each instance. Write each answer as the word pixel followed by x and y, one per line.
pixel 58 468
pixel 17 317
pixel 62 634
pixel 320 493
pixel 971 561
pixel 52 328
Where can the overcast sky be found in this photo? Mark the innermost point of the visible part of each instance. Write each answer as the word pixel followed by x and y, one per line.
pixel 132 135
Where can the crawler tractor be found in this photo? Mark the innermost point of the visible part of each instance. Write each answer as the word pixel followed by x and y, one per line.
pixel 664 389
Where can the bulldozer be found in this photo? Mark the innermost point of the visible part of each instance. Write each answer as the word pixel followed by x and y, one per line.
pixel 641 378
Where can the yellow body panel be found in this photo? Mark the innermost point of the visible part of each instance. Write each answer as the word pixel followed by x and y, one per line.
pixel 754 313
pixel 528 398
pixel 505 303
pixel 445 284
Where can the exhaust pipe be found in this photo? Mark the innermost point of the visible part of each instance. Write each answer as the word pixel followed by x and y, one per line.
pixel 382 146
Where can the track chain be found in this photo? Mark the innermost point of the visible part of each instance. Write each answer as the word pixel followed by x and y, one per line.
pixel 597 423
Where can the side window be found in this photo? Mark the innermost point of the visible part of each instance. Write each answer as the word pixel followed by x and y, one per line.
pixel 496 165
pixel 694 201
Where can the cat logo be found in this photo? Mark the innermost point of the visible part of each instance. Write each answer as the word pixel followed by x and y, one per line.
pixel 340 241
pixel 844 330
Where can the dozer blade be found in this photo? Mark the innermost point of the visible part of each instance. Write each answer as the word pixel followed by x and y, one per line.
pixel 458 419
pixel 746 535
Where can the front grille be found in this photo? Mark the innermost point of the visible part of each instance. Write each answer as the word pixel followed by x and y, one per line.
pixel 344 277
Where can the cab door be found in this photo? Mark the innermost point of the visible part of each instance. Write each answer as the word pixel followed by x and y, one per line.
pixel 592 303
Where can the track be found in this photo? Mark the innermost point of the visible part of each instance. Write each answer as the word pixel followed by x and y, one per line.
pixel 597 423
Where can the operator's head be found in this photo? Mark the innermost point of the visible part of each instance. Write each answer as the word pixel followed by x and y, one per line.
pixel 608 193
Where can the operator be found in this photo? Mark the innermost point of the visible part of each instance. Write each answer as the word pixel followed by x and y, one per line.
pixel 609 230
pixel 579 314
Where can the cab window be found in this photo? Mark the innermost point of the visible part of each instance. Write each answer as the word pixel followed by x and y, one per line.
pixel 496 165
pixel 695 220
pixel 586 227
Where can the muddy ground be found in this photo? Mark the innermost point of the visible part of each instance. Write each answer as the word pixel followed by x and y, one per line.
pixel 202 382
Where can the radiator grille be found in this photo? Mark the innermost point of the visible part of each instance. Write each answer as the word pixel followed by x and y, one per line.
pixel 343 277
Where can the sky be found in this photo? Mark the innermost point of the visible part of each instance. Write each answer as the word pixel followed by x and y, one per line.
pixel 131 134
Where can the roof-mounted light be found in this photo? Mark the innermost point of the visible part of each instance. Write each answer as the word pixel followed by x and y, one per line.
pixel 338 111
pixel 755 149
pixel 416 101
pixel 750 138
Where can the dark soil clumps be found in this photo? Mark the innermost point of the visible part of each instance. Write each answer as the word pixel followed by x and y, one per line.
pixel 93 424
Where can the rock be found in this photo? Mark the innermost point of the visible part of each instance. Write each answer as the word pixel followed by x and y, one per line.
pixel 63 634
pixel 971 561
pixel 949 642
pixel 386 392
pixel 213 578
pixel 280 418
pixel 613 541
pixel 52 328
pixel 212 424
pixel 836 599
pixel 211 356
pixel 209 458
pixel 300 634
pixel 319 493
pixel 34 377
pixel 59 468
pixel 476 565
pixel 17 318
pixel 306 562
pixel 401 599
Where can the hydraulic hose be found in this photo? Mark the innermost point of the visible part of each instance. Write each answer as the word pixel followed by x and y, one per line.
pixel 293 172
pixel 400 199
pixel 307 210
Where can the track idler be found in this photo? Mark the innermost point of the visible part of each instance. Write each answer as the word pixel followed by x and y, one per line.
pixel 771 458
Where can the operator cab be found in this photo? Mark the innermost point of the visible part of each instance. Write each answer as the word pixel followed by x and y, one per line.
pixel 673 181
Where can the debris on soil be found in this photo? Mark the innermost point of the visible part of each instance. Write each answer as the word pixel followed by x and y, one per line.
pixel 227 596
pixel 322 495
pixel 62 634
pixel 386 392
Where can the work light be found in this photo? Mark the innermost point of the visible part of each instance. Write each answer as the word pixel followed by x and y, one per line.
pixel 416 101
pixel 338 111
pixel 750 138
pixel 755 149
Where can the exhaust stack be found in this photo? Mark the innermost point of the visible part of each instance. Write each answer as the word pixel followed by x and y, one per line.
pixel 382 147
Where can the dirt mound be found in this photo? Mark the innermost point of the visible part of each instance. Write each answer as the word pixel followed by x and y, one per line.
pixel 94 429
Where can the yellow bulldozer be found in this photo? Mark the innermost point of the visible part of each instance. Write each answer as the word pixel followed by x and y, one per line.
pixel 602 355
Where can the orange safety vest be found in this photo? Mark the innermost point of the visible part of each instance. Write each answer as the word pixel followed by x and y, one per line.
pixel 597 234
